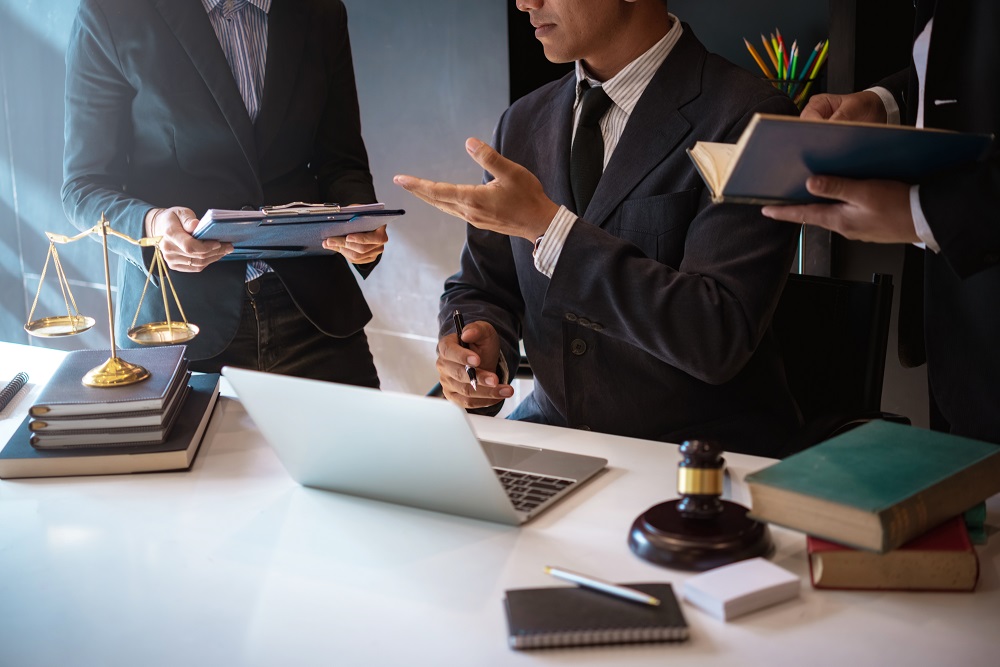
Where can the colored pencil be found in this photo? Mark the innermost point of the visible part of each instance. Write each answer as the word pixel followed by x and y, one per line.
pixel 758 59
pixel 813 72
pixel 807 68
pixel 770 52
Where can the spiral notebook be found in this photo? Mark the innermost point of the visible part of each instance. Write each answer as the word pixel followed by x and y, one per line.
pixel 560 616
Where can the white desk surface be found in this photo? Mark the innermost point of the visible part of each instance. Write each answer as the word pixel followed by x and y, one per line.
pixel 232 563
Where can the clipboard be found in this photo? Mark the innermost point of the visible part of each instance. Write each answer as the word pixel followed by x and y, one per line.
pixel 290 230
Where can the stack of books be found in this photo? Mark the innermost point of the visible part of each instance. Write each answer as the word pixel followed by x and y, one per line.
pixel 68 414
pixel 73 429
pixel 882 506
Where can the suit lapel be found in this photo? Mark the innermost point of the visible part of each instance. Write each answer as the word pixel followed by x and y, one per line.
pixel 191 27
pixel 555 130
pixel 285 30
pixel 654 129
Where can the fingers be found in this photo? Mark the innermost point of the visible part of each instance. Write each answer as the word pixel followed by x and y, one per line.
pixel 360 248
pixel 487 158
pixel 455 381
pixel 820 107
pixel 181 251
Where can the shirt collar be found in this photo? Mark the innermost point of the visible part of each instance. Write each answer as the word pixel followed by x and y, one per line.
pixel 263 5
pixel 626 87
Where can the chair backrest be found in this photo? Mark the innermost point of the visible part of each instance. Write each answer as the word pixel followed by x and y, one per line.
pixel 833 335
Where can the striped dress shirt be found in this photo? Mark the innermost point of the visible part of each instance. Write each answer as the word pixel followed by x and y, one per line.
pixel 624 89
pixel 241 26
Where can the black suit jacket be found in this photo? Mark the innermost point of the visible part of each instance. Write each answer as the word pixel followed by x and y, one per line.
pixel 656 321
pixel 961 285
pixel 154 119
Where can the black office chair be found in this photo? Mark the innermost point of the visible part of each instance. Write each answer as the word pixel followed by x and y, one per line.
pixel 833 335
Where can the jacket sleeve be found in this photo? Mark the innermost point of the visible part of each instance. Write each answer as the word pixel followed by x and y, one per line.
pixel 98 134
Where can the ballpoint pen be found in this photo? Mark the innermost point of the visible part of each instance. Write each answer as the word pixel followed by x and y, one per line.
pixel 459 328
pixel 602 586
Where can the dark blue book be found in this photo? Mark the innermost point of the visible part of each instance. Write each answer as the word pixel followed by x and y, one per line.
pixel 777 154
pixel 65 395
pixel 19 459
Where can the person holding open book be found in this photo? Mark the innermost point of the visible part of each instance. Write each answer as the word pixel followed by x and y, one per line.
pixel 173 108
pixel 644 308
pixel 955 215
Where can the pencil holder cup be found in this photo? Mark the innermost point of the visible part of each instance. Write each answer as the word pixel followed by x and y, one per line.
pixel 799 90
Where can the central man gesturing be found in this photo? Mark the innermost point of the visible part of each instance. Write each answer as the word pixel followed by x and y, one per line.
pixel 644 308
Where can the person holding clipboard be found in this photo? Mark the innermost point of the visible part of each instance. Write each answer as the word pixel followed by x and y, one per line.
pixel 174 108
pixel 951 220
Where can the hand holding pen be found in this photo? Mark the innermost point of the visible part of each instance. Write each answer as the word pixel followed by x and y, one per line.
pixel 459 328
pixel 468 365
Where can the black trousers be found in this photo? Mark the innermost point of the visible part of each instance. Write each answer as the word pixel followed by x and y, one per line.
pixel 275 336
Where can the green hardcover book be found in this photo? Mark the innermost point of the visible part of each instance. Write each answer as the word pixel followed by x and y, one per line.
pixel 877 486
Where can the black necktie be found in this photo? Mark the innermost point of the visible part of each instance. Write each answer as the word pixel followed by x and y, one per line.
pixel 586 161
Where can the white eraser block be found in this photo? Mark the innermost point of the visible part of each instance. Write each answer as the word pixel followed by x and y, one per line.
pixel 740 588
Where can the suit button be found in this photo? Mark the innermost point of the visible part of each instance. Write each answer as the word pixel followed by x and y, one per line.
pixel 597 327
pixel 578 347
pixel 583 427
pixel 571 317
pixel 583 321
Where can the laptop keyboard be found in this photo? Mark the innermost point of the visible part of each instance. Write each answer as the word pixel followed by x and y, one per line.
pixel 528 491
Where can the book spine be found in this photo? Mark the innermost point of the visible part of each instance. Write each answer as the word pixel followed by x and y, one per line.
pixel 946 499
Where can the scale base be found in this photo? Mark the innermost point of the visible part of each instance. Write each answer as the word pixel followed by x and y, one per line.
pixel 663 536
pixel 115 372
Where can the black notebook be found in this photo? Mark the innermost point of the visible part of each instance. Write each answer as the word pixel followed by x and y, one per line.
pixel 569 616
pixel 66 395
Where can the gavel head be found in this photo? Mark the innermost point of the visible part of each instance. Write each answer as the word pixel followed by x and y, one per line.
pixel 699 479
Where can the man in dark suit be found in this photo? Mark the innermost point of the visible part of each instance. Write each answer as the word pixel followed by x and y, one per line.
pixel 644 308
pixel 177 106
pixel 956 215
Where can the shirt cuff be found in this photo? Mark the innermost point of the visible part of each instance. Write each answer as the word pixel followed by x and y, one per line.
pixel 551 245
pixel 920 224
pixel 891 108
pixel 503 370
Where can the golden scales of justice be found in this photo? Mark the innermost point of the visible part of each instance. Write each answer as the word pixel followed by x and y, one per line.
pixel 115 372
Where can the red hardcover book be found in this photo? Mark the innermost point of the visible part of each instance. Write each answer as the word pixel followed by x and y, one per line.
pixel 942 559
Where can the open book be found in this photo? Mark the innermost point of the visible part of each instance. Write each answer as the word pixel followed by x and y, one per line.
pixel 776 155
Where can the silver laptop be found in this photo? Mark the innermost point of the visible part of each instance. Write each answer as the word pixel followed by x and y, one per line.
pixel 404 449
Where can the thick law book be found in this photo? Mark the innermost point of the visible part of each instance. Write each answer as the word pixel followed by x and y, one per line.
pixel 19 459
pixel 111 436
pixel 102 422
pixel 568 616
pixel 775 156
pixel 294 230
pixel 65 394
pixel 942 559
pixel 877 486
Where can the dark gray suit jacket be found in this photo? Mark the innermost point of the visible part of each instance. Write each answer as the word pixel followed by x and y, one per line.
pixel 656 322
pixel 154 118
pixel 961 285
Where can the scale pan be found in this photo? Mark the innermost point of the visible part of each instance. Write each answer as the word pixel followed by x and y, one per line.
pixel 60 325
pixel 163 333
